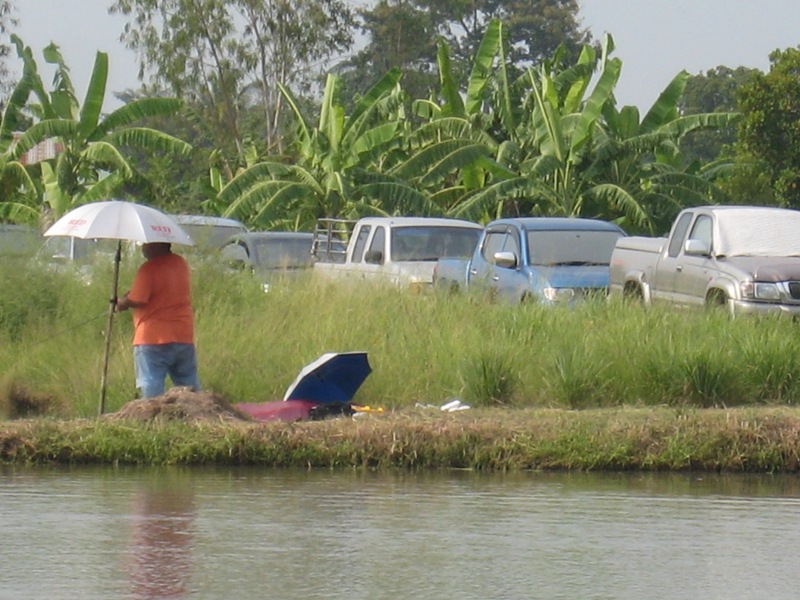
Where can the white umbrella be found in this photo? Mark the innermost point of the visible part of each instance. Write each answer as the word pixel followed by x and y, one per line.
pixel 118 220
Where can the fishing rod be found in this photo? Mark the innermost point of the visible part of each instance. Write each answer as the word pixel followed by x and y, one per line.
pixel 69 329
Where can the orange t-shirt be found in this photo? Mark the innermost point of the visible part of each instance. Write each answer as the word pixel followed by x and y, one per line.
pixel 162 284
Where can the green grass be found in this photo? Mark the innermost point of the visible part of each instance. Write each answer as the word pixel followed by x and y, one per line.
pixel 423 348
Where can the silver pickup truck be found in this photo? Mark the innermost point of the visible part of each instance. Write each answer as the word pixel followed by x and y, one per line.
pixel 743 258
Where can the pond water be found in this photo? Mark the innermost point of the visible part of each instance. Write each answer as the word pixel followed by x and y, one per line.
pixel 253 533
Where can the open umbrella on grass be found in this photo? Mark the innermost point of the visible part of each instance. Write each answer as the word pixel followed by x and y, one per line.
pixel 123 221
pixel 325 386
pixel 333 378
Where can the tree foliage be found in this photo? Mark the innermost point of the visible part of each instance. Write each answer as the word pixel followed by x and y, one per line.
pixel 550 142
pixel 338 166
pixel 535 28
pixel 403 34
pixel 714 91
pixel 560 144
pixel 770 128
pixel 91 163
pixel 228 58
pixel 400 35
pixel 490 137
pixel 7 22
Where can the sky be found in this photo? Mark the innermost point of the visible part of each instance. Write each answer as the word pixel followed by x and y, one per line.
pixel 655 39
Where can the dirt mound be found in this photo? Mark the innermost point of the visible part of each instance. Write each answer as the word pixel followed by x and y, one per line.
pixel 180 404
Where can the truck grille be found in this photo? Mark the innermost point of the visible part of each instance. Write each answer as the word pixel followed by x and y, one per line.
pixel 794 290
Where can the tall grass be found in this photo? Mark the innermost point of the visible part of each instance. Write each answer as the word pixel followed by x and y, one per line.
pixel 423 348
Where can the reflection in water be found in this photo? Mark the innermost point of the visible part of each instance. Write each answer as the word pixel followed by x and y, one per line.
pixel 255 533
pixel 161 546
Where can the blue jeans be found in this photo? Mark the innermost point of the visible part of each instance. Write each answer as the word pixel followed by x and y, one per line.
pixel 154 362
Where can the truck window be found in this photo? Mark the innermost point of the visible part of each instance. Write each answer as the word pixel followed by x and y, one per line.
pixel 430 243
pixel 361 243
pixel 512 243
pixel 378 245
pixel 494 242
pixel 702 230
pixel 678 234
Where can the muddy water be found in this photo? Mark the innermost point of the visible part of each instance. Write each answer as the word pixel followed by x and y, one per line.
pixel 254 533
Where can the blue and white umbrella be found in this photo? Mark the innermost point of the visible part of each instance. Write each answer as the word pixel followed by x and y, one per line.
pixel 333 378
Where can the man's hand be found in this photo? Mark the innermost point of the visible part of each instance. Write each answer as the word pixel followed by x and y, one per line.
pixel 124 303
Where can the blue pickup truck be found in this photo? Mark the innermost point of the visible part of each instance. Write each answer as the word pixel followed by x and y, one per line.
pixel 553 260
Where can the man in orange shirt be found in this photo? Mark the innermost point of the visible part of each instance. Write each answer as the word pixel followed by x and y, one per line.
pixel 163 340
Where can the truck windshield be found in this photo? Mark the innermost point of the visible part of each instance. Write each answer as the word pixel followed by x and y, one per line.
pixel 551 248
pixel 430 243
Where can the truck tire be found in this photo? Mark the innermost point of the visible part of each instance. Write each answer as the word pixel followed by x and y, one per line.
pixel 633 293
pixel 449 287
pixel 718 300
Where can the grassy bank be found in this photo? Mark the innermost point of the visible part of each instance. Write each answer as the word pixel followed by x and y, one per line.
pixel 604 386
pixel 648 439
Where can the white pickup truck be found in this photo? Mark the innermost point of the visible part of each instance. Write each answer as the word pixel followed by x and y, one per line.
pixel 743 258
pixel 398 250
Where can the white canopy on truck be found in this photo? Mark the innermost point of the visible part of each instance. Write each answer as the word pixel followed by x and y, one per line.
pixel 756 231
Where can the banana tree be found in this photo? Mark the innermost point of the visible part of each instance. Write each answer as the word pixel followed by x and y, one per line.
pixel 18 188
pixel 452 154
pixel 339 167
pixel 543 156
pixel 91 163
pixel 576 155
pixel 638 168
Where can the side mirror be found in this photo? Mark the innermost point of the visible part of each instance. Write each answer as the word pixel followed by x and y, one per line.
pixel 374 257
pixel 696 248
pixel 505 260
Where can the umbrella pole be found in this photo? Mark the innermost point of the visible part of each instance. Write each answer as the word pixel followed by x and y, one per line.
pixel 111 310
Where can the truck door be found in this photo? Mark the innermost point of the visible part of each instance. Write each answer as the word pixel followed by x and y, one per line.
pixel 669 263
pixel 480 268
pixel 374 258
pixel 355 265
pixel 484 273
pixel 691 280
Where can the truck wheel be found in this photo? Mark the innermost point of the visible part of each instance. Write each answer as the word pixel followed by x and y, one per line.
pixel 447 286
pixel 633 293
pixel 718 300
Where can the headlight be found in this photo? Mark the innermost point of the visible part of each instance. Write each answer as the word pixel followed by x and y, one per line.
pixel 760 291
pixel 767 291
pixel 558 294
